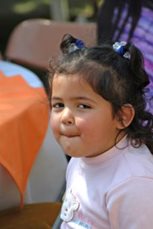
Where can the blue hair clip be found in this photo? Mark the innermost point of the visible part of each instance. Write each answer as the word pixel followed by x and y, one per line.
pixel 120 48
pixel 78 44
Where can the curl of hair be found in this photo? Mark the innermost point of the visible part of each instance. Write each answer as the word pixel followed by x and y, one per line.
pixel 67 41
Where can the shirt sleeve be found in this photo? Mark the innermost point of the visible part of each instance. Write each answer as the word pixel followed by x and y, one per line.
pixel 130 204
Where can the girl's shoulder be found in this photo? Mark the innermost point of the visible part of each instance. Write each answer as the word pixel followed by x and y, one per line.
pixel 134 163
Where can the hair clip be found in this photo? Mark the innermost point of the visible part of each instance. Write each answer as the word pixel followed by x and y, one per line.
pixel 121 49
pixel 78 44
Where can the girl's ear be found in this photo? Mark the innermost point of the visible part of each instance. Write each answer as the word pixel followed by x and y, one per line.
pixel 125 116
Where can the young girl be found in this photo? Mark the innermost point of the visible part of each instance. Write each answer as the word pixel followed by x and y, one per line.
pixel 100 119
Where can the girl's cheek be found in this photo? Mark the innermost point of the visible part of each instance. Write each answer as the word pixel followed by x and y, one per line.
pixel 54 122
pixel 55 129
pixel 82 123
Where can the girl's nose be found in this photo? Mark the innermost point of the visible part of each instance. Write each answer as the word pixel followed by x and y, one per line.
pixel 67 117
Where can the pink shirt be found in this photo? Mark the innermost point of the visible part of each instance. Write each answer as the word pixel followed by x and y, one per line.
pixel 110 191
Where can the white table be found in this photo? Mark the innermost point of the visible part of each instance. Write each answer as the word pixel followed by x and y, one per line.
pixel 47 176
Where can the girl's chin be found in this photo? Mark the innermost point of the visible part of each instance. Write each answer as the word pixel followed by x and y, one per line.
pixel 70 154
pixel 73 153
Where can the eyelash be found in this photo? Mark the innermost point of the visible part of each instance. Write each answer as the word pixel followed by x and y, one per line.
pixel 84 106
pixel 58 106
pixel 61 105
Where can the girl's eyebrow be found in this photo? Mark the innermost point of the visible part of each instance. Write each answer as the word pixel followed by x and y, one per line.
pixel 74 98
pixel 56 98
pixel 83 98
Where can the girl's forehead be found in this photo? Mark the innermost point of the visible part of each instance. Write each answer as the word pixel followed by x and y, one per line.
pixel 70 79
pixel 71 84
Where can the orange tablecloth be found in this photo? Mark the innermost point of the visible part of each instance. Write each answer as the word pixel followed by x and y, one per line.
pixel 24 116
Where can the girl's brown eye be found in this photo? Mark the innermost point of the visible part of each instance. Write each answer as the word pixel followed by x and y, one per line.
pixel 57 105
pixel 84 106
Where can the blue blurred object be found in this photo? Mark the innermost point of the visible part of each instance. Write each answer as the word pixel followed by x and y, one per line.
pixel 11 69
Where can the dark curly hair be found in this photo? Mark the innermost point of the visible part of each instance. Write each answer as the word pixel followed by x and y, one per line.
pixel 117 79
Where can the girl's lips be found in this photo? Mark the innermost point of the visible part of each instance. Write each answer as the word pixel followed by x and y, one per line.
pixel 69 135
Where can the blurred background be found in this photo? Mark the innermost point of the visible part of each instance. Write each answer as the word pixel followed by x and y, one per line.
pixel 14 11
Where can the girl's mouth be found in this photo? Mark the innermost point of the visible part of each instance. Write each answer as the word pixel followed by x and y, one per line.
pixel 70 135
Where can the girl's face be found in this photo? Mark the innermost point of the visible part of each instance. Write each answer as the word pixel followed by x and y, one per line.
pixel 81 120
